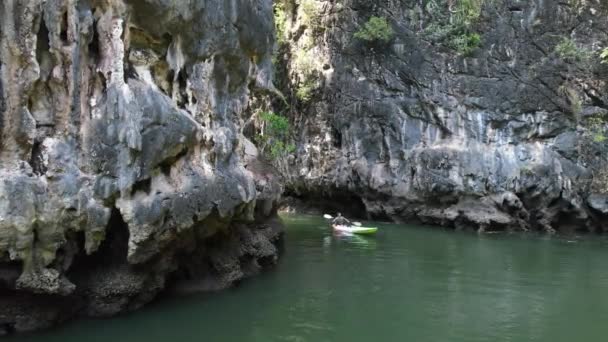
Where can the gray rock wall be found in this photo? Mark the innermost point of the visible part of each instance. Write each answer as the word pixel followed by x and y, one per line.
pixel 498 138
pixel 122 163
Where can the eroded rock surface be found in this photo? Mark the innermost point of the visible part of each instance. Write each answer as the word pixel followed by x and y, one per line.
pixel 122 163
pixel 495 138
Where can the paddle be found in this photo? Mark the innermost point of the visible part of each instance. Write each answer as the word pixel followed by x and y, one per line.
pixel 329 217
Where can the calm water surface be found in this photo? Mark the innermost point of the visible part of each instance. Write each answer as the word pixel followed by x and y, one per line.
pixel 406 284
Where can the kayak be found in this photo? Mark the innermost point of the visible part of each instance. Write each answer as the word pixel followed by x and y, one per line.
pixel 355 229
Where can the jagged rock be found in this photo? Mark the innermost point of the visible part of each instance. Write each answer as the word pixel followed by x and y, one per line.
pixel 493 139
pixel 599 203
pixel 121 155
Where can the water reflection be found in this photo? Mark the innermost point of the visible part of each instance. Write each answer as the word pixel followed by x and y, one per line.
pixel 351 241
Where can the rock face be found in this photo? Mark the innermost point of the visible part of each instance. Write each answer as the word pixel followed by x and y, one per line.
pixel 122 164
pixel 496 137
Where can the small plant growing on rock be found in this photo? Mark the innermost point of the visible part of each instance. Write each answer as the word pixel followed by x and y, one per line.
pixel 597 128
pixel 305 63
pixel 280 23
pixel 568 51
pixel 376 30
pixel 452 23
pixel 465 44
pixel 306 67
pixel 573 98
pixel 466 12
pixel 311 14
pixel 274 137
pixel 604 55
pixel 305 91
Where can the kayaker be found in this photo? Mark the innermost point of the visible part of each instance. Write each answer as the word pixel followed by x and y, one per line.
pixel 341 221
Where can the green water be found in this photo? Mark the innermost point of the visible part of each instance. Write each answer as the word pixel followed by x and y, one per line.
pixel 405 284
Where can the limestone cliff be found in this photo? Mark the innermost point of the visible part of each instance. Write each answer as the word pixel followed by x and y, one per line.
pixel 122 164
pixel 472 114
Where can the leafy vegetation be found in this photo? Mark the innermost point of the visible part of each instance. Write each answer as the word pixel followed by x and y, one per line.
pixel 569 93
pixel 311 14
pixel 597 128
pixel 568 51
pixel 595 142
pixel 280 22
pixel 305 90
pixel 375 30
pixel 466 43
pixel 452 23
pixel 275 135
pixel 467 12
pixel 604 55
pixel 306 66
pixel 305 62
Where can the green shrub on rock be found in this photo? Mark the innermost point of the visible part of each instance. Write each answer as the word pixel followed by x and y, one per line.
pixel 567 50
pixel 465 44
pixel 376 29
pixel 604 55
pixel 311 14
pixel 597 127
pixel 452 23
pixel 305 90
pixel 280 23
pixel 273 139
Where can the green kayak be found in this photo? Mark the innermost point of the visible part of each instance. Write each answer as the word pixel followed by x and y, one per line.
pixel 356 230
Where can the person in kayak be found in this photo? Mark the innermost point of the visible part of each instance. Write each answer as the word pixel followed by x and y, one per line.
pixel 341 221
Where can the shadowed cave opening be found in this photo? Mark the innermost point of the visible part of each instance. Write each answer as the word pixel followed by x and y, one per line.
pixel 112 251
pixel 330 201
pixel 9 272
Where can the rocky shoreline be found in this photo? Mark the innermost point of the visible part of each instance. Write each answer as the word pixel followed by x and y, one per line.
pixel 128 157
pixel 496 122
pixel 123 169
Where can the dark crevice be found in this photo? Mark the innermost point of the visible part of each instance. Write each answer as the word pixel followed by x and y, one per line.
pixel 130 72
pixel 143 185
pixel 7 329
pixel 37 159
pixel 42 42
pixel 329 201
pixel 64 27
pixel 112 251
pixel 567 223
pixel 336 138
pixel 182 96
pixel 94 52
pixel 182 79
pixel 123 37
pixel 380 216
pixel 101 80
pixel 9 272
pixel 165 166
pixel 35 239
pixel 75 242
pixel 249 265
pixel 2 106
pixel 171 77
pixel 267 261
pixel 595 100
